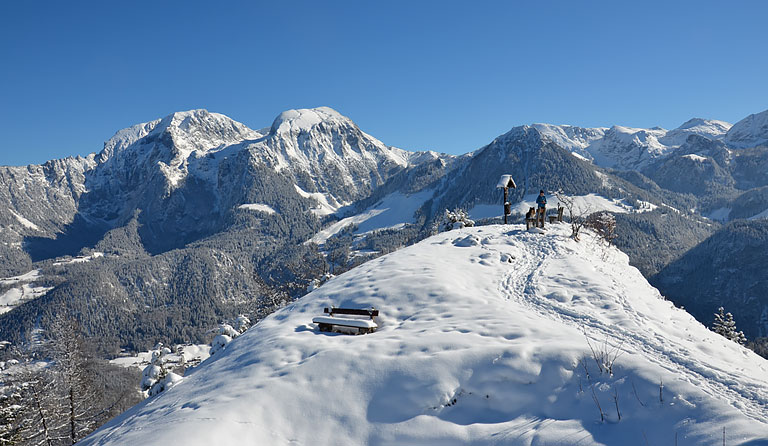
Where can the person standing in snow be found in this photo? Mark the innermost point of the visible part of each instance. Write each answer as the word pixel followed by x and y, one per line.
pixel 541 201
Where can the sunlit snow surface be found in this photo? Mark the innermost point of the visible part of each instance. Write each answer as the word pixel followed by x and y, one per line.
pixel 394 210
pixel 259 207
pixel 481 333
pixel 22 290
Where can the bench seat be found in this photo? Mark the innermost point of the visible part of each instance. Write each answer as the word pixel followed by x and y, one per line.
pixel 347 322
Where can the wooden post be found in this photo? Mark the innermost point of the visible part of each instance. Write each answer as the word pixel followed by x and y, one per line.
pixel 505 206
pixel 505 183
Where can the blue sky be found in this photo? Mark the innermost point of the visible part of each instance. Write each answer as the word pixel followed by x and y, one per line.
pixel 445 76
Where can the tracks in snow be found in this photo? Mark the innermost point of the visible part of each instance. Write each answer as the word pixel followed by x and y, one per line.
pixel 522 283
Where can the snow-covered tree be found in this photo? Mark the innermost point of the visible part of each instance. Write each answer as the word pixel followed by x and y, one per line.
pixel 457 218
pixel 228 331
pixel 725 326
pixel 225 335
pixel 318 282
pixel 241 323
pixel 156 377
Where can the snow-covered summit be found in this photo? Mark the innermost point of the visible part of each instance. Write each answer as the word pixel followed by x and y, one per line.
pixel 203 131
pixel 184 131
pixel 168 143
pixel 124 138
pixel 708 128
pixel 628 148
pixel 749 132
pixel 303 120
pixel 571 138
pixel 343 162
pixel 486 337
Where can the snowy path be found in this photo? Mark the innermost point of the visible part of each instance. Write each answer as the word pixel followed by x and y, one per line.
pixel 524 284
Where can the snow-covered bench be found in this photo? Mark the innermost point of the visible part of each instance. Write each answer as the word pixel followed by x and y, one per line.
pixel 358 325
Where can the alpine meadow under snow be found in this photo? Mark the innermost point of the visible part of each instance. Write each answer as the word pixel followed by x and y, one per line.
pixel 488 336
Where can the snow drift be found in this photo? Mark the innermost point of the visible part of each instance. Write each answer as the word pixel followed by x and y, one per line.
pixel 483 340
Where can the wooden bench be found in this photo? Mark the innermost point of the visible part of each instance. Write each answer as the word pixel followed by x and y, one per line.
pixel 558 217
pixel 354 325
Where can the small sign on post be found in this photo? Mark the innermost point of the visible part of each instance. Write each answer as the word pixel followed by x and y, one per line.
pixel 505 182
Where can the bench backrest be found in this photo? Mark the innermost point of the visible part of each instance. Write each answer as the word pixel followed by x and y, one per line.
pixel 359 312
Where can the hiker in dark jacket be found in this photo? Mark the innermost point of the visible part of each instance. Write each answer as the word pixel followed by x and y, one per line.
pixel 541 200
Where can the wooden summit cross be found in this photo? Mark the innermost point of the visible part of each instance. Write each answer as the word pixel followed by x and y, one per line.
pixel 505 182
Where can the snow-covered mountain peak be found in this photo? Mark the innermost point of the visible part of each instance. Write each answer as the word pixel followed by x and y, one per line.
pixel 750 131
pixel 304 119
pixel 168 143
pixel 571 138
pixel 183 133
pixel 319 144
pixel 201 130
pixel 486 336
pixel 125 137
pixel 708 128
pixel 628 147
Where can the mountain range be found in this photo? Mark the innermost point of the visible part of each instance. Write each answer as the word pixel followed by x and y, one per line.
pixel 183 221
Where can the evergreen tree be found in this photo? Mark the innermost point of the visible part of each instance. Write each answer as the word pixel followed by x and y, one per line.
pixel 156 377
pixel 457 218
pixel 725 326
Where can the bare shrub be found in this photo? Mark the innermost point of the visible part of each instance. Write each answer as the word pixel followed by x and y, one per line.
pixel 577 214
pixel 603 224
pixel 605 355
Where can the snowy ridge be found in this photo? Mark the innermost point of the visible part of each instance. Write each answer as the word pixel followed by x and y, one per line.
pixel 482 340
pixel 124 138
pixel 571 138
pixel 182 135
pixel 628 148
pixel 303 120
pixel 750 131
pixel 708 128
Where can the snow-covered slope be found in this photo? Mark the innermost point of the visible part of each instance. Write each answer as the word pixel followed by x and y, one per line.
pixel 749 132
pixel 483 340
